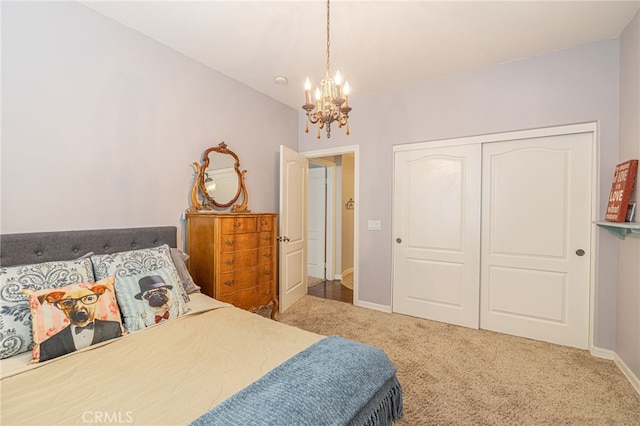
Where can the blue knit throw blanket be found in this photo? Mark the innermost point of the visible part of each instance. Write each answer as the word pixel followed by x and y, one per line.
pixel 333 382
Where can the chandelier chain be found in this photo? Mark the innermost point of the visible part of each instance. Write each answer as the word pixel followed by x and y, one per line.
pixel 328 32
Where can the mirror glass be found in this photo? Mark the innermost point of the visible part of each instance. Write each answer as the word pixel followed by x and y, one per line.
pixel 221 178
pixel 221 181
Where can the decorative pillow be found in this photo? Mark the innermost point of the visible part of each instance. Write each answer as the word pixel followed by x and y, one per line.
pixel 73 317
pixel 15 318
pixel 180 261
pixel 135 262
pixel 149 298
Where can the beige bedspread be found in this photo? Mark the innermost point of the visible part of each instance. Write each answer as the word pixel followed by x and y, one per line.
pixel 165 375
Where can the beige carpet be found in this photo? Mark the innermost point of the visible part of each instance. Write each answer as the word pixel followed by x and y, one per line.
pixel 456 376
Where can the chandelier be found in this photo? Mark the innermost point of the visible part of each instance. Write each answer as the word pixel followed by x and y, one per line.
pixel 332 98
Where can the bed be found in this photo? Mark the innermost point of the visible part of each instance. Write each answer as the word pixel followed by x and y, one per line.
pixel 213 364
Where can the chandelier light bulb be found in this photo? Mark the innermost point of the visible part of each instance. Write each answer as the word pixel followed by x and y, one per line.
pixel 307 84
pixel 345 89
pixel 338 78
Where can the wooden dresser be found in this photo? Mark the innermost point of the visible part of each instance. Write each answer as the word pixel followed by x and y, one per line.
pixel 232 256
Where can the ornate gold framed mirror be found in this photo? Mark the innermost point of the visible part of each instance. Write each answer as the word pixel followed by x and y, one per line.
pixel 220 181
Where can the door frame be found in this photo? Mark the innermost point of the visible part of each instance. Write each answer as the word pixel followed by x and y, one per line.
pixel 355 150
pixel 590 127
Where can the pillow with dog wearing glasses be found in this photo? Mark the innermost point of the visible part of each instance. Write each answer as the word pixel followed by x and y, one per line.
pixel 73 317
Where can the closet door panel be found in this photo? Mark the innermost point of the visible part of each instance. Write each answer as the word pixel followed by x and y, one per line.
pixel 437 230
pixel 536 219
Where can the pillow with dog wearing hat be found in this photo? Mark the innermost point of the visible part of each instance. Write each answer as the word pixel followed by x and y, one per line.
pixel 149 298
pixel 136 262
pixel 73 317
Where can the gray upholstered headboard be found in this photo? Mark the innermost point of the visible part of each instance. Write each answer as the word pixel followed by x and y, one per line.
pixel 38 247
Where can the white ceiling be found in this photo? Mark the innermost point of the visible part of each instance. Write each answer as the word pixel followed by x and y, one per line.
pixel 376 45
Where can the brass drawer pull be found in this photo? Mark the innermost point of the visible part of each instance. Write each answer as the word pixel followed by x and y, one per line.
pixel 266 273
pixel 229 262
pixel 237 224
pixel 229 242
pixel 266 238
pixel 229 282
pixel 266 255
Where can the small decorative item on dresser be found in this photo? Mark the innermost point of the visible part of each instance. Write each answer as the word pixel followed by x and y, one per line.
pixel 621 189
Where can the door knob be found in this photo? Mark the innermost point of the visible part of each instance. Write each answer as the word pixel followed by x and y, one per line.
pixel 580 252
pixel 398 240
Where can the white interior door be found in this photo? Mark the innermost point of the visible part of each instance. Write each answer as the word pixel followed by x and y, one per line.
pixel 292 227
pixel 436 227
pixel 317 207
pixel 536 221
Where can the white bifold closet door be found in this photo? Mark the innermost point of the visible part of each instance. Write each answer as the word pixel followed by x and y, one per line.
pixel 496 235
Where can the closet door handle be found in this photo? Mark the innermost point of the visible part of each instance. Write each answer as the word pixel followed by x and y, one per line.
pixel 398 240
pixel 580 252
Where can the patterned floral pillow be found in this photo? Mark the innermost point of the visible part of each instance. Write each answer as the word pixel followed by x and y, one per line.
pixel 73 317
pixel 149 298
pixel 15 317
pixel 135 262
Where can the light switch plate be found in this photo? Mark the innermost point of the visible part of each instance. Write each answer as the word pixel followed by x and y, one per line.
pixel 374 225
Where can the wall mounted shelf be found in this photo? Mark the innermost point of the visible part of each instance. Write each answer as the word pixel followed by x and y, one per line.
pixel 621 229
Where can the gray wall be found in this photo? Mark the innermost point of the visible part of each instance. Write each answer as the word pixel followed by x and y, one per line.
pixel 628 307
pixel 101 125
pixel 565 87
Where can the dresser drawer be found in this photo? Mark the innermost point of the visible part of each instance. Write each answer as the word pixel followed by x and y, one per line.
pixel 266 273
pixel 265 223
pixel 232 225
pixel 235 242
pixel 266 254
pixel 231 282
pixel 230 261
pixel 250 299
pixel 264 293
pixel 265 238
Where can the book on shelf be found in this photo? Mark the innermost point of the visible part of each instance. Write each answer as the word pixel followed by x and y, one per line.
pixel 621 189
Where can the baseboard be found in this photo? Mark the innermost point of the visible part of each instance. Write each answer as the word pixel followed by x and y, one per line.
pixel 627 372
pixel 602 353
pixel 611 355
pixel 374 306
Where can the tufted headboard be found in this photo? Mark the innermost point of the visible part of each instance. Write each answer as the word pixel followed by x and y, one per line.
pixel 38 247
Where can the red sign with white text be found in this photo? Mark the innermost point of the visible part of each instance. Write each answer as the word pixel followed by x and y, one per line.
pixel 621 189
